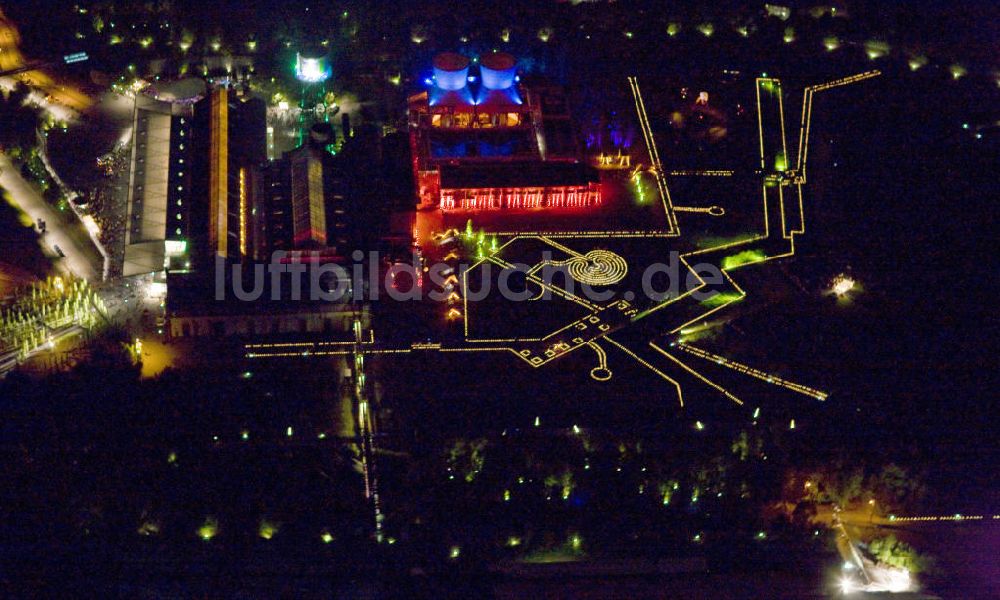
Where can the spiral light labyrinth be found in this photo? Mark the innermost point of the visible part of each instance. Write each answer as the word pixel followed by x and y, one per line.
pixel 598 267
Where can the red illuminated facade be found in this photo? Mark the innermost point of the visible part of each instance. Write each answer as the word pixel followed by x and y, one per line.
pixel 521 197
pixel 482 140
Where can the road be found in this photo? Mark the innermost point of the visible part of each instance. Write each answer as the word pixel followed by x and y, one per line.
pixel 82 258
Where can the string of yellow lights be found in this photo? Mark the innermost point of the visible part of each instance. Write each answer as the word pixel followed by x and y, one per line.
pixel 704 379
pixel 654 157
pixel 701 173
pixel 807 100
pixel 957 517
pixel 601 372
pixel 752 372
pixel 643 362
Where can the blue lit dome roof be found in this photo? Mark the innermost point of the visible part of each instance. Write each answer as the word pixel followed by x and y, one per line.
pixel 451 71
pixel 498 70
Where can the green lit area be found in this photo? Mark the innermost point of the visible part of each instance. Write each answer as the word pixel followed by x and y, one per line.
pixel 745 257
pixel 715 241
pixel 641 195
pixel 721 299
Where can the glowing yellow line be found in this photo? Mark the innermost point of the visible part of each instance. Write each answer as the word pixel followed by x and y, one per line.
pixel 760 123
pixel 755 238
pixel 483 349
pixel 807 100
pixel 680 395
pixel 712 384
pixel 703 315
pixel 802 213
pixel 654 156
pixel 781 205
pixel 702 173
pixel 803 135
pixel 781 116
pixel 558 246
pixel 243 211
pixel 767 224
pixel 653 233
pixel 752 372
pixel 565 327
pixel 602 357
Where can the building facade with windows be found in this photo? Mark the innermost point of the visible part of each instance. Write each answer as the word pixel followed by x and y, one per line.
pixel 474 122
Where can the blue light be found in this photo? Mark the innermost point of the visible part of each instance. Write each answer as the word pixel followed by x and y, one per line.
pixel 75 57
pixel 510 94
pixel 471 78
pixel 428 81
pixel 495 79
pixel 451 80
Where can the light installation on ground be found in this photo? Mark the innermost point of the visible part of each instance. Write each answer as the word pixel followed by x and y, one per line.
pixel 783 220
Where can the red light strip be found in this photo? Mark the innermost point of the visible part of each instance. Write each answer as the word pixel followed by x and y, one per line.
pixel 521 198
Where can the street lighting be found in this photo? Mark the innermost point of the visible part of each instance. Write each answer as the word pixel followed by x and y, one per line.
pixel 846 586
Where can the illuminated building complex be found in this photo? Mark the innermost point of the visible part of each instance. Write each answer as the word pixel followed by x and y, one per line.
pixel 312 180
pixel 314 200
pixel 159 183
pixel 192 185
pixel 486 141
pixel 228 142
pixel 302 204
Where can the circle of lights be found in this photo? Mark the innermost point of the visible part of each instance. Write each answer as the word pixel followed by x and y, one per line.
pixel 601 373
pixel 598 267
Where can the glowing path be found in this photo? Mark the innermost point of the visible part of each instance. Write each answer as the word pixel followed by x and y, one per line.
pixel 654 157
pixel 601 372
pixel 597 267
pixel 954 518
pixel 704 379
pixel 699 173
pixel 807 99
pixel 715 211
pixel 366 428
pixel 648 365
pixel 750 371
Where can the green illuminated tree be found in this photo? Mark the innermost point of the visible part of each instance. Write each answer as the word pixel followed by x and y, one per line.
pixel 467 457
pixel 895 553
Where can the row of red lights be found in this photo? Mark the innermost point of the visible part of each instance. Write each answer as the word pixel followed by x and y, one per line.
pixel 521 198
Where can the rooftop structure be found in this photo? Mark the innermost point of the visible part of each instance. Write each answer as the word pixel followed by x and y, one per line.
pixel 158 179
pixel 491 142
pixel 191 184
